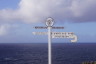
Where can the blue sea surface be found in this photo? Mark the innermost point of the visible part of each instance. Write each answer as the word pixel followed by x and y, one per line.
pixel 28 53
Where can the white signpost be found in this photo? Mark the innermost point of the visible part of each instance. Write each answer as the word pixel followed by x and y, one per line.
pixel 49 24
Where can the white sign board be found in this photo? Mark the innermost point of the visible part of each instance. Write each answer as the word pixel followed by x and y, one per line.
pixel 59 35
pixel 40 33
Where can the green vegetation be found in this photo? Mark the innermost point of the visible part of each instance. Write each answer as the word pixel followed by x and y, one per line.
pixel 91 62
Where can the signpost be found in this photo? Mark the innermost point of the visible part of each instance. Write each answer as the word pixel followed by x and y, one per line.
pixel 49 24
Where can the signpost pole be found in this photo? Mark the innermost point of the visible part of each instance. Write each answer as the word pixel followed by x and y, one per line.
pixel 49 24
pixel 49 45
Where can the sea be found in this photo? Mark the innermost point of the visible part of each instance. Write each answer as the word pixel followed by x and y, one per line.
pixel 37 53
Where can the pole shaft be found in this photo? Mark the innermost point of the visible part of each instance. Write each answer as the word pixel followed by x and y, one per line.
pixel 49 46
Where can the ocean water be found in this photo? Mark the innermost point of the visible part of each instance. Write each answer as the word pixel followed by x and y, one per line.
pixel 73 53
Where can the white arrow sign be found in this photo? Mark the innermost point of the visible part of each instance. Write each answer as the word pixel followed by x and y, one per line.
pixel 59 35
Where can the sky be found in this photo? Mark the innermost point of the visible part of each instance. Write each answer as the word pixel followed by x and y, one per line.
pixel 18 17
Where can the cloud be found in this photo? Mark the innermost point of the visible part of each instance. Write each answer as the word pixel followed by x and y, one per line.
pixel 30 11
pixel 83 10
pixel 6 28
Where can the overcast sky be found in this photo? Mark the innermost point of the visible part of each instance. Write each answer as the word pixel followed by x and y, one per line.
pixel 18 17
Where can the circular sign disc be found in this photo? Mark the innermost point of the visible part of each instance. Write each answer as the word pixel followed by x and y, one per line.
pixel 49 22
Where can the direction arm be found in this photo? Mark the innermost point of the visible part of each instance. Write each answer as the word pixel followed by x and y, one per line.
pixel 41 27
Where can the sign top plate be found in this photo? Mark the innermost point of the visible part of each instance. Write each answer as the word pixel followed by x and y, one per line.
pixel 49 22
